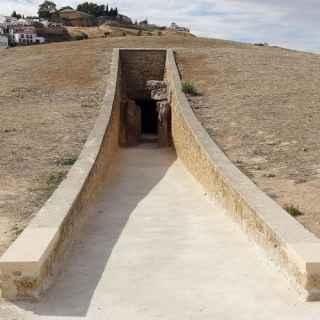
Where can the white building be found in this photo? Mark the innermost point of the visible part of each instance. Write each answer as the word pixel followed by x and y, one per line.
pixel 6 21
pixel 177 28
pixel 3 19
pixel 4 41
pixel 11 21
pixel 44 22
pixel 28 39
pixel 25 35
pixel 24 22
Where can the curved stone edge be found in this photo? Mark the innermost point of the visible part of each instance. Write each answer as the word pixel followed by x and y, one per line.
pixel 293 248
pixel 32 261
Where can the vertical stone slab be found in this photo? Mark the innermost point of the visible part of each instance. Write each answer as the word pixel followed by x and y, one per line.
pixel 158 91
pixel 133 122
pixel 123 120
pixel 164 119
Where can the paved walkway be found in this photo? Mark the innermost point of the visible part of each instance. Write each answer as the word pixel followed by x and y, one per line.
pixel 157 248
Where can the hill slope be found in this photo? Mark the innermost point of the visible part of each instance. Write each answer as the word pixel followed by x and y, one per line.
pixel 259 104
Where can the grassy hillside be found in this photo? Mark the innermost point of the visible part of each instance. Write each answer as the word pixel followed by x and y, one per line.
pixel 113 31
pixel 259 103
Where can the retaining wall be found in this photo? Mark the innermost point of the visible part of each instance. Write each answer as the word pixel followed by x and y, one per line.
pixel 31 263
pixel 138 66
pixel 293 248
pixel 33 260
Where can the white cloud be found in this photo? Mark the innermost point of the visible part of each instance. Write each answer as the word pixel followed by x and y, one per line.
pixel 289 23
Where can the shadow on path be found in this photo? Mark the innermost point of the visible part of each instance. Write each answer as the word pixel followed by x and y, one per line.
pixel 134 174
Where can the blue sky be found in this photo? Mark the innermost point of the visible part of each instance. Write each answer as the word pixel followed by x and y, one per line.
pixel 288 23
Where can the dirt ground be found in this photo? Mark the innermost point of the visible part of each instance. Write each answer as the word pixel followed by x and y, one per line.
pixel 113 31
pixel 259 104
pixel 49 99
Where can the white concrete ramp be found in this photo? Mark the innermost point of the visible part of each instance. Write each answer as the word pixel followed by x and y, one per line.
pixel 157 248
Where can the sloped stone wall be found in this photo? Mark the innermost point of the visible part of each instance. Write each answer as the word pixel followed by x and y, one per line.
pixel 291 247
pixel 31 263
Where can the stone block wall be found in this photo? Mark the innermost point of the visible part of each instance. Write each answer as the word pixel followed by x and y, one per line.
pixel 32 262
pixel 138 66
pixel 290 246
pixel 30 265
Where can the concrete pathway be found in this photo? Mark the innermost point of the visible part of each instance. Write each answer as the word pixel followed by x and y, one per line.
pixel 157 248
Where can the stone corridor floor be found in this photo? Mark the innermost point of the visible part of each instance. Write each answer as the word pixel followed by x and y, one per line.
pixel 156 247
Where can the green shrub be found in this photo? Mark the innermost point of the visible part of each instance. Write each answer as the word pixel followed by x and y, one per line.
pixel 293 211
pixel 188 88
pixel 80 36
pixel 261 44
pixel 68 160
pixel 54 179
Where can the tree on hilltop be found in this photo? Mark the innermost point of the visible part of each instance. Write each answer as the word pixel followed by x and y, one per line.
pixel 16 15
pixel 66 8
pixel 97 10
pixel 144 22
pixel 46 9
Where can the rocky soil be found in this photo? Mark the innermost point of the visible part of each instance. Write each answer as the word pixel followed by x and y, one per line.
pixel 49 99
pixel 50 96
pixel 261 105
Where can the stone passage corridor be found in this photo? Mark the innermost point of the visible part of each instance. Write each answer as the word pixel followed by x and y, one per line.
pixel 156 248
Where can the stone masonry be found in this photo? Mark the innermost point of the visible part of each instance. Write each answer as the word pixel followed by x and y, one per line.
pixel 158 91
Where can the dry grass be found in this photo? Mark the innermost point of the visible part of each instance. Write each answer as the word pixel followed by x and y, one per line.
pixel 49 100
pixel 259 103
pixel 114 32
pixel 293 211
pixel 189 89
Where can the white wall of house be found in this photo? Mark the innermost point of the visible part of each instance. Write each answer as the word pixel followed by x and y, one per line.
pixel 45 23
pixel 4 41
pixel 40 39
pixel 177 28
pixel 28 38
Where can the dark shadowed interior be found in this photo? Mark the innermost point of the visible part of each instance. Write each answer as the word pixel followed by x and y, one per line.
pixel 149 116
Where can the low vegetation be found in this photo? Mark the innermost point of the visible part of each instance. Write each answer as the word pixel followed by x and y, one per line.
pixel 293 211
pixel 54 179
pixel 189 88
pixel 97 10
pixel 260 44
pixel 80 36
pixel 48 10
pixel 68 160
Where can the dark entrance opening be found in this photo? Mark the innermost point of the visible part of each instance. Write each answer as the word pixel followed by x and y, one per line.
pixel 149 116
